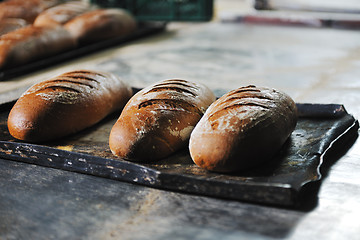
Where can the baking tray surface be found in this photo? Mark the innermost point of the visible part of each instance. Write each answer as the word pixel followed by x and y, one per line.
pixel 280 181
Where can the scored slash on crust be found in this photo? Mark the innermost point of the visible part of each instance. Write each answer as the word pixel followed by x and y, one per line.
pixel 172 105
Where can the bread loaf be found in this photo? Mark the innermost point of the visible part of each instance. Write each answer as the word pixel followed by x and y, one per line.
pixel 66 104
pixel 10 24
pixel 31 43
pixel 62 13
pixel 101 24
pixel 158 120
pixel 25 9
pixel 242 129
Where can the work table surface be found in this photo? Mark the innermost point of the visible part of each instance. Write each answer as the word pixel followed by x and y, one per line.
pixel 312 65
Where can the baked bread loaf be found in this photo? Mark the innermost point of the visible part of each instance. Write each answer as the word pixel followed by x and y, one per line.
pixel 101 24
pixel 242 129
pixel 158 120
pixel 66 104
pixel 62 13
pixel 25 9
pixel 10 24
pixel 32 43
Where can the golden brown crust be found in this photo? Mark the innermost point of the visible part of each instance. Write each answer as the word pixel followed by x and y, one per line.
pixel 25 9
pixel 62 13
pixel 243 128
pixel 158 120
pixel 10 24
pixel 32 43
pixel 66 104
pixel 101 24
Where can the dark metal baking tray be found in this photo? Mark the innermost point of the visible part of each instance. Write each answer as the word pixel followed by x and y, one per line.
pixel 280 181
pixel 144 29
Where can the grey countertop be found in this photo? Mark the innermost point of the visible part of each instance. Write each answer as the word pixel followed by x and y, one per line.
pixel 312 65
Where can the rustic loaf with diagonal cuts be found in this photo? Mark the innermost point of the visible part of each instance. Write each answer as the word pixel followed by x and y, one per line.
pixel 31 43
pixel 62 13
pixel 24 9
pixel 242 129
pixel 101 24
pixel 158 120
pixel 66 104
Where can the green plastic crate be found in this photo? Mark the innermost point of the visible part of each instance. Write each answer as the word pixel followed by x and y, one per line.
pixel 164 10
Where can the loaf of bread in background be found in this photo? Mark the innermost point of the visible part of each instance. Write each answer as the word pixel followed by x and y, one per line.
pixel 31 43
pixel 11 24
pixel 62 13
pixel 66 104
pixel 101 24
pixel 158 120
pixel 242 129
pixel 24 9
